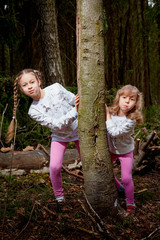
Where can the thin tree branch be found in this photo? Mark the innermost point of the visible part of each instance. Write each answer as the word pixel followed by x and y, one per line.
pixel 151 234
pixel 2 123
pixel 27 223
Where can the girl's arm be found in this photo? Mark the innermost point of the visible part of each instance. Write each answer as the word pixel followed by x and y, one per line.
pixel 125 127
pixel 55 124
pixel 108 116
pixel 77 102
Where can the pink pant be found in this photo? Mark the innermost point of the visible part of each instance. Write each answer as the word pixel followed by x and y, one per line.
pixel 126 161
pixel 56 159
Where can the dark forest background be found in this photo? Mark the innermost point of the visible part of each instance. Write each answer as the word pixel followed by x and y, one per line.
pixel 132 49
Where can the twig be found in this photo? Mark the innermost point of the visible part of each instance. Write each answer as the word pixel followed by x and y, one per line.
pixel 45 208
pixel 43 148
pixel 141 191
pixel 154 147
pixel 95 214
pixel 10 172
pixel 151 234
pixel 93 220
pixel 67 171
pixel 150 138
pixel 100 222
pixel 145 131
pixel 27 223
pixel 88 231
pixel 2 123
pixel 137 134
pixel 136 148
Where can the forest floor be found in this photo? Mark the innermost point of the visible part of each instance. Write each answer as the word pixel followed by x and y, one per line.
pixel 29 211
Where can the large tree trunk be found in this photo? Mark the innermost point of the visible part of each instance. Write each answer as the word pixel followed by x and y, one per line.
pixel 146 81
pixel 50 44
pixel 98 173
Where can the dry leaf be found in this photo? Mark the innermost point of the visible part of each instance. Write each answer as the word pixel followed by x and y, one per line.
pixel 6 149
pixel 28 148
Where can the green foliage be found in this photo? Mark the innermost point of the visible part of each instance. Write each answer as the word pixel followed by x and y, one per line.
pixel 110 95
pixel 9 26
pixel 72 89
pixel 151 122
pixel 152 116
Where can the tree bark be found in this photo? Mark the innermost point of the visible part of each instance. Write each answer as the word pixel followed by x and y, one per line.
pixel 50 44
pixel 146 80
pixel 97 168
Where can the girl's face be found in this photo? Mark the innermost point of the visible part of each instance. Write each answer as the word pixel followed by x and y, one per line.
pixel 30 86
pixel 126 103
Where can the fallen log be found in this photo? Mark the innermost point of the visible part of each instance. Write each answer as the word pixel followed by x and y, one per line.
pixel 36 159
pixel 30 159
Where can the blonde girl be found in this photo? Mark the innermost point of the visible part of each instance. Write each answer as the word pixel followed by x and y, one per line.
pixel 121 119
pixel 55 108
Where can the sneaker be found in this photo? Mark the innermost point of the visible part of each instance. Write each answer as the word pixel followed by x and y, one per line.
pixel 131 208
pixel 60 199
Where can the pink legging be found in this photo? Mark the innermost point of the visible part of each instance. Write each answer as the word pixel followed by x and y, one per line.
pixel 126 161
pixel 56 159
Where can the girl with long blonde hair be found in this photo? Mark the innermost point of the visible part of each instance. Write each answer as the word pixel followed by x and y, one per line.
pixel 121 119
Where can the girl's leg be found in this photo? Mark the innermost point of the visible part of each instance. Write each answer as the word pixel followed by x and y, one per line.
pixel 56 159
pixel 77 146
pixel 126 175
pixel 113 158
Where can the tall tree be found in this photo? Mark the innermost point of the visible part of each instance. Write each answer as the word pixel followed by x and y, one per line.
pixel 98 173
pixel 146 80
pixel 50 43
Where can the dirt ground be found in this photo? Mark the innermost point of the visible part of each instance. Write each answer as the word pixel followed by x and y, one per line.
pixel 33 214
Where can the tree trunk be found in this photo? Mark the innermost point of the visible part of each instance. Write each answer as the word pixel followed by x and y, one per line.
pixel 97 168
pixel 146 81
pixel 50 44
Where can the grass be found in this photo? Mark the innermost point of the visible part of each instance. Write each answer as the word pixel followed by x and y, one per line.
pixel 22 191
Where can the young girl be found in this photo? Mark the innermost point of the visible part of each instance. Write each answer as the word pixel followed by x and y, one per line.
pixel 121 118
pixel 52 107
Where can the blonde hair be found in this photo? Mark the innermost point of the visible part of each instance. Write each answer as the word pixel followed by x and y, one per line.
pixel 10 132
pixel 136 112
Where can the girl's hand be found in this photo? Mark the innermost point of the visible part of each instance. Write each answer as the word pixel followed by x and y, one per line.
pixel 77 101
pixel 108 116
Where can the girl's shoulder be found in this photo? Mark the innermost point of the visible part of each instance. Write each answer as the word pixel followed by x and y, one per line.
pixel 123 119
pixel 55 88
pixel 52 86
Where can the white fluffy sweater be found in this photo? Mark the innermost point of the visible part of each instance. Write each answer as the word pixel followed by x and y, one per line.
pixel 56 111
pixel 119 131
